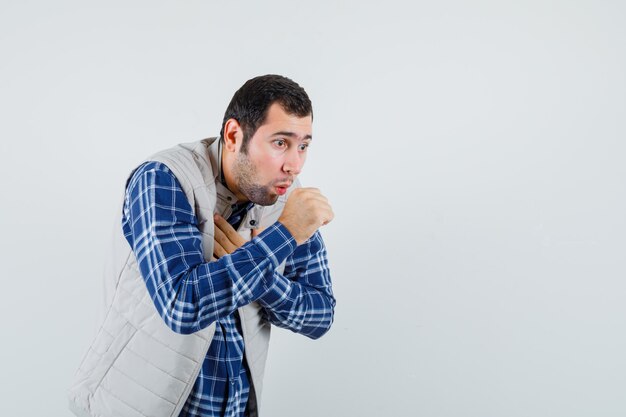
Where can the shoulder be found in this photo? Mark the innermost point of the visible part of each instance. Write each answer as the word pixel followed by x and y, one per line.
pixel 150 172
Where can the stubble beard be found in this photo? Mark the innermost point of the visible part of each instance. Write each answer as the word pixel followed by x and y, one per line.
pixel 245 175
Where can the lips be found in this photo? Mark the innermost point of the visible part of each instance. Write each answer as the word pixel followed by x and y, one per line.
pixel 281 187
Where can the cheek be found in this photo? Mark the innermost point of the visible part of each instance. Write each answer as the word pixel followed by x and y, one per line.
pixel 269 160
pixel 275 154
pixel 272 167
pixel 265 156
pixel 268 168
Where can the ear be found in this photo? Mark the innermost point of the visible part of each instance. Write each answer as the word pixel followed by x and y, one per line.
pixel 233 135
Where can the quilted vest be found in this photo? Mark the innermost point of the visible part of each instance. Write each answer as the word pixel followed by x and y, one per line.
pixel 137 366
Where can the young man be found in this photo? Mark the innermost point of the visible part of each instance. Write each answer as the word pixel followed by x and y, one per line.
pixel 216 241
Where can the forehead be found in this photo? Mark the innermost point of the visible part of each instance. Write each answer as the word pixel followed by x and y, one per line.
pixel 277 120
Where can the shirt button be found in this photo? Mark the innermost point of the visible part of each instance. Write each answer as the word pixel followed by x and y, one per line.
pixel 229 198
pixel 252 222
pixel 232 381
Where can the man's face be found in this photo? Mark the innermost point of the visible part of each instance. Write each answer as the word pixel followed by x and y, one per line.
pixel 274 156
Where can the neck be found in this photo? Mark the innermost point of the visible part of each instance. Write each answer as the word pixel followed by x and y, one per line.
pixel 228 178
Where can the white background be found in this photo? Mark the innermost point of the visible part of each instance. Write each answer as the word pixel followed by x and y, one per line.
pixel 473 153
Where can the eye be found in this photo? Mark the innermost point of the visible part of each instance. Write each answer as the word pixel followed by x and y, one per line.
pixel 280 143
pixel 303 147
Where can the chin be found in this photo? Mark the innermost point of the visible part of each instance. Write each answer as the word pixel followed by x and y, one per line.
pixel 267 201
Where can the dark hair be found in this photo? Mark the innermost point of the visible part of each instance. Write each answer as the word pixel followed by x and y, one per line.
pixel 250 103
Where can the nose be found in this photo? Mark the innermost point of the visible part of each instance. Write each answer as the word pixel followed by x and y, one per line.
pixel 293 162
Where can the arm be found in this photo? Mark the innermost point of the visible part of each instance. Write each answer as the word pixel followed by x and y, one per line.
pixel 188 292
pixel 300 300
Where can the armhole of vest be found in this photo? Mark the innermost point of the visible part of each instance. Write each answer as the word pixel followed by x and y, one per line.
pixel 182 178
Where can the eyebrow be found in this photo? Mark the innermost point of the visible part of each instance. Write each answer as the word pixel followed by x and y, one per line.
pixel 291 135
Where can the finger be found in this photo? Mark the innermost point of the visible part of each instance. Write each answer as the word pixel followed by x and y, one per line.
pixel 229 231
pixel 319 206
pixel 318 198
pixel 256 232
pixel 220 222
pixel 328 216
pixel 218 250
pixel 234 236
pixel 303 192
pixel 226 244
pixel 308 189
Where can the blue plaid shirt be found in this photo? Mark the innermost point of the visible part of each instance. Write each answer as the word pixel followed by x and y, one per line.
pixel 191 294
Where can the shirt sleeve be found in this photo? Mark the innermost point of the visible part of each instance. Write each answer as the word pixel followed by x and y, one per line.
pixel 302 299
pixel 189 293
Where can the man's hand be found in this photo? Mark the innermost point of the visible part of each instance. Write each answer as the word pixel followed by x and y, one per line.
pixel 306 211
pixel 226 239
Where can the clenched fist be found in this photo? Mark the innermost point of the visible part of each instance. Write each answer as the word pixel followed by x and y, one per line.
pixel 306 211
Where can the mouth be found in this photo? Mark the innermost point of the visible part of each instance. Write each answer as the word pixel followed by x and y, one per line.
pixel 281 189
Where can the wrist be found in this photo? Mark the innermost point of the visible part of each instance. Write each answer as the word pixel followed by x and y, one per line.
pixel 292 231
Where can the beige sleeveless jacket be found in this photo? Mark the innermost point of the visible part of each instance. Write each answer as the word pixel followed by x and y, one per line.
pixel 137 366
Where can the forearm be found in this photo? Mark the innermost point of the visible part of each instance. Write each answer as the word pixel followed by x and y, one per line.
pixel 302 299
pixel 190 296
pixel 304 310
